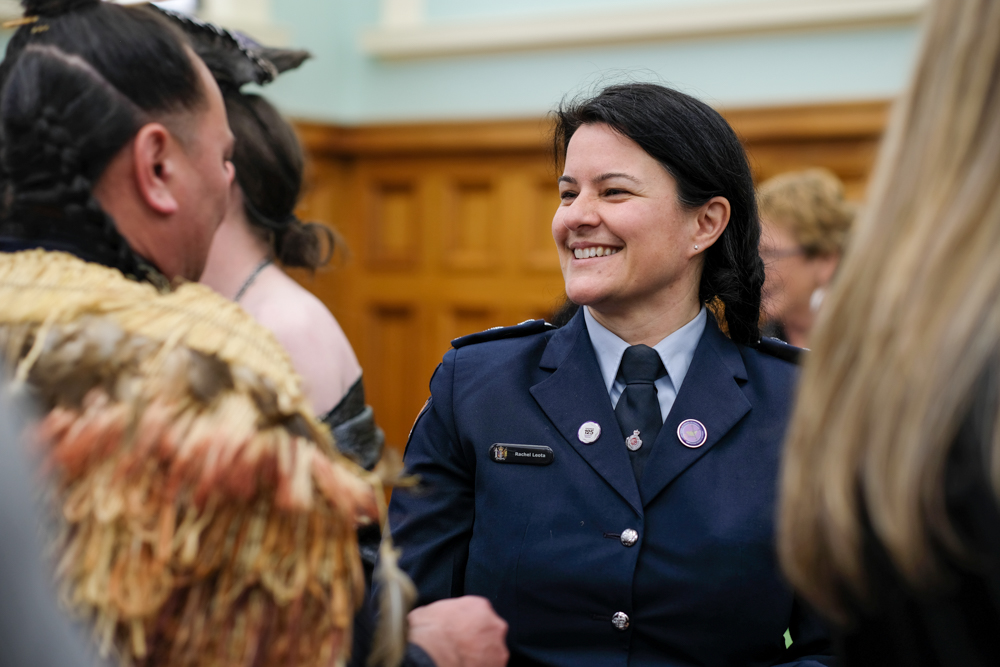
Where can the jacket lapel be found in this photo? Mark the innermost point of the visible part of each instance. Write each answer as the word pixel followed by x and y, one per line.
pixel 712 395
pixel 575 394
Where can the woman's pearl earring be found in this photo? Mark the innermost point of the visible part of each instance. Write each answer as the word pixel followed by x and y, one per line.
pixel 696 247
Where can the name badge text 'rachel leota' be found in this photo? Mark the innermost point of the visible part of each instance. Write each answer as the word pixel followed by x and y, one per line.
pixel 532 455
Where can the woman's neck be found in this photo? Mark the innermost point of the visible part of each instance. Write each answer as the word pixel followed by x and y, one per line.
pixel 236 251
pixel 649 323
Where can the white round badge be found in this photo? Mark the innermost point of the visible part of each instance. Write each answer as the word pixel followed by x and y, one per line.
pixel 589 432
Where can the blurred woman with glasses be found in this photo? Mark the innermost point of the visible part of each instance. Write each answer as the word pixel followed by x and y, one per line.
pixel 805 220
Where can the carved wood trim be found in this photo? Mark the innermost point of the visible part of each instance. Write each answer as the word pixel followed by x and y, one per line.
pixel 838 120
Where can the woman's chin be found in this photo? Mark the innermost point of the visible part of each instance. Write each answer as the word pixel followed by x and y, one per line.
pixel 586 295
pixel 581 293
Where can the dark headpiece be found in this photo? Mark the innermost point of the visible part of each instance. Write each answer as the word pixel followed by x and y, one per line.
pixel 234 58
pixel 50 8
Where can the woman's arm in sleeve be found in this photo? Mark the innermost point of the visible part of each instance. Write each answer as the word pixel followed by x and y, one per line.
pixel 432 522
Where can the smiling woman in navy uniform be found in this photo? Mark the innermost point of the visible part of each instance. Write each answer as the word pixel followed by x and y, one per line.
pixel 610 486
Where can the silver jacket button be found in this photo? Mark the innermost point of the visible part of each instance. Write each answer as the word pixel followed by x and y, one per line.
pixel 629 537
pixel 620 620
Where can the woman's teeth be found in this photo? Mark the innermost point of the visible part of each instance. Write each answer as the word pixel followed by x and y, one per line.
pixel 594 251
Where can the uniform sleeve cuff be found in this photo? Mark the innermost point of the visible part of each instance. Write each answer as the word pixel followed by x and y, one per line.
pixel 417 657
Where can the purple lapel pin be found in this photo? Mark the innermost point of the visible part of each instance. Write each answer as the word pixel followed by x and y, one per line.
pixel 692 433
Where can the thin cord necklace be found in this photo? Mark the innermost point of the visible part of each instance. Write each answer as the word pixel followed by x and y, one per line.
pixel 252 277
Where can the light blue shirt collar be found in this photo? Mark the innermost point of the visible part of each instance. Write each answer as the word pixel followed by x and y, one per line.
pixel 676 351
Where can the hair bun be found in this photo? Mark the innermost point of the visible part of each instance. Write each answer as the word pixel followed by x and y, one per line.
pixel 50 8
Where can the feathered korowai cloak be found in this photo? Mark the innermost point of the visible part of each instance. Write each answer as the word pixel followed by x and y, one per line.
pixel 204 517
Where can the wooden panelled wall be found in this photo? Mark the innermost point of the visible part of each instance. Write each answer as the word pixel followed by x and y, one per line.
pixel 446 227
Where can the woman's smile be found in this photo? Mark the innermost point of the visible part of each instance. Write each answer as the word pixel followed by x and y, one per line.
pixel 589 252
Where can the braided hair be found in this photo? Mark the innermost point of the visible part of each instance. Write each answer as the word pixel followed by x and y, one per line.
pixel 701 152
pixel 53 151
pixel 79 81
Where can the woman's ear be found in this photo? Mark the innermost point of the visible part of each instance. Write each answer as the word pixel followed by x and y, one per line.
pixel 711 219
pixel 153 153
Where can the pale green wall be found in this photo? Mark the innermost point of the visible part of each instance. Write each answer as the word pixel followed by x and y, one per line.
pixel 342 84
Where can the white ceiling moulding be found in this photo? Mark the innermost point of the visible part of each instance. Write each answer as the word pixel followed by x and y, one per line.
pixel 10 9
pixel 408 39
pixel 251 17
pixel 402 13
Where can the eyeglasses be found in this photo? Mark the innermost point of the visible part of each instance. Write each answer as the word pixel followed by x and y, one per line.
pixel 771 254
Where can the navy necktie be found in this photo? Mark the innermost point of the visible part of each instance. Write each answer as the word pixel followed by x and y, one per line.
pixel 638 410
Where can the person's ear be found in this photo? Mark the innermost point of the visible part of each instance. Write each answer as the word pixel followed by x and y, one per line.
pixel 154 153
pixel 711 220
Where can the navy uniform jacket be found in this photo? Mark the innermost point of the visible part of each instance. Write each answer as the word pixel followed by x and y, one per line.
pixel 701 586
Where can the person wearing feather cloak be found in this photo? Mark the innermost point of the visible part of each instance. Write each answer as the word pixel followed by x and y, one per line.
pixel 202 516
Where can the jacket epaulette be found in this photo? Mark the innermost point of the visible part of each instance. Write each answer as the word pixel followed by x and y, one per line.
pixel 781 350
pixel 526 328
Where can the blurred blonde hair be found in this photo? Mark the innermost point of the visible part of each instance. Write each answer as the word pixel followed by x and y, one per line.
pixel 810 204
pixel 909 327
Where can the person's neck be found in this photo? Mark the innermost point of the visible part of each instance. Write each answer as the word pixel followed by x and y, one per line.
pixel 236 251
pixel 648 323
pixel 797 327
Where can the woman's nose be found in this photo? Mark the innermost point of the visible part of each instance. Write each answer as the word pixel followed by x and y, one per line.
pixel 582 212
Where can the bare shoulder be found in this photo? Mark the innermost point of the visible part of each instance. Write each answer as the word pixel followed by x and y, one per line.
pixel 320 351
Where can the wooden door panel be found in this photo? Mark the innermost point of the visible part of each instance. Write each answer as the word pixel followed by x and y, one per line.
pixel 393 230
pixel 469 220
pixel 393 367
pixel 851 160
pixel 541 197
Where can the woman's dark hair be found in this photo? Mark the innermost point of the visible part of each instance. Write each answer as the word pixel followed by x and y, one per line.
pixel 701 152
pixel 565 312
pixel 269 164
pixel 78 83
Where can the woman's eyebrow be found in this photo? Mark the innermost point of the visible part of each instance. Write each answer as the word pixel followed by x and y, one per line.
pixel 603 177
pixel 616 174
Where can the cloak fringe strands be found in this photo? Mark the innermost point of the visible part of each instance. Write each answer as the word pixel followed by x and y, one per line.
pixel 204 517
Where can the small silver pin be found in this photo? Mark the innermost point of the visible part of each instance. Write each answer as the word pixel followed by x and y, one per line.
pixel 692 433
pixel 633 442
pixel 589 432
